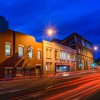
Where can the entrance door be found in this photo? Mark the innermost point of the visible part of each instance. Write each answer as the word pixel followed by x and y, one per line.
pixel 8 73
pixel 38 70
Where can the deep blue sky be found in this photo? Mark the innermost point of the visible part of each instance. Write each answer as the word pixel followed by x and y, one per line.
pixel 67 16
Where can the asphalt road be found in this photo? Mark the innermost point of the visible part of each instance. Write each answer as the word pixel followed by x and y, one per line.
pixel 76 86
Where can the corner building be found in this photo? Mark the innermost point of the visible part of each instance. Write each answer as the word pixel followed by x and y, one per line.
pixel 84 50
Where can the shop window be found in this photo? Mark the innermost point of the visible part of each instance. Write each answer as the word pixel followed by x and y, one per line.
pixel 19 71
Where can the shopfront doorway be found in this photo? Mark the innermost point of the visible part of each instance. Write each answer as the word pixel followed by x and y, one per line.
pixel 8 72
pixel 38 70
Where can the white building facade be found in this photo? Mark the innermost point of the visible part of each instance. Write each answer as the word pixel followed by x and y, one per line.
pixel 58 58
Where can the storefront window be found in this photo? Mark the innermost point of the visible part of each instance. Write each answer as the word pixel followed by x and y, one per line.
pixel 19 71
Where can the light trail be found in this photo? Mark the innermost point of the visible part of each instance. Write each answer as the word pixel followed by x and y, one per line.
pixel 83 84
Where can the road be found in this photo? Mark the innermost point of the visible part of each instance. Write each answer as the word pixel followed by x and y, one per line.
pixel 65 86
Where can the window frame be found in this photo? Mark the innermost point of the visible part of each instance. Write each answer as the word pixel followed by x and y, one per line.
pixel 18 50
pixel 7 43
pixel 38 56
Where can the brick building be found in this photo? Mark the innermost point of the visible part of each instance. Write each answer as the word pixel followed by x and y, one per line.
pixel 20 55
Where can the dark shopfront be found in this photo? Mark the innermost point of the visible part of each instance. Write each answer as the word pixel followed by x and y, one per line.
pixel 29 71
pixel 38 70
pixel 25 71
pixel 7 72
pixel 62 68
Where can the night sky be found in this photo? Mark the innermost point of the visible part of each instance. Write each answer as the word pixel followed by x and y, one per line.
pixel 66 16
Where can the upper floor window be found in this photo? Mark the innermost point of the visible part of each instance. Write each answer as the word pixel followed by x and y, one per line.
pixel 72 55
pixel 30 52
pixel 46 53
pixel 63 55
pixel 50 53
pixel 20 51
pixel 8 49
pixel 68 56
pixel 79 50
pixel 39 54
pixel 56 54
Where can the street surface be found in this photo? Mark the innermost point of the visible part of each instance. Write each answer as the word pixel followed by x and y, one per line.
pixel 62 86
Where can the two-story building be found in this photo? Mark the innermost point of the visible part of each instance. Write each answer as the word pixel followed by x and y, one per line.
pixel 20 55
pixel 58 58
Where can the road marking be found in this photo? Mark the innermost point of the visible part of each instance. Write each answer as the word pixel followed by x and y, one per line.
pixel 38 94
pixel 11 91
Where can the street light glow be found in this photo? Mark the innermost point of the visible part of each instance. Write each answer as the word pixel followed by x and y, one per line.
pixel 50 31
pixel 95 48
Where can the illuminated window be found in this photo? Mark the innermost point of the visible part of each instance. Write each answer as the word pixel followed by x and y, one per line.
pixel 79 50
pixel 39 54
pixel 68 56
pixel 46 53
pixel 8 49
pixel 62 55
pixel 20 51
pixel 50 53
pixel 30 52
pixel 56 54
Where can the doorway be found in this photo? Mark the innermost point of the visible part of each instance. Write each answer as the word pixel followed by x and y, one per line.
pixel 38 70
